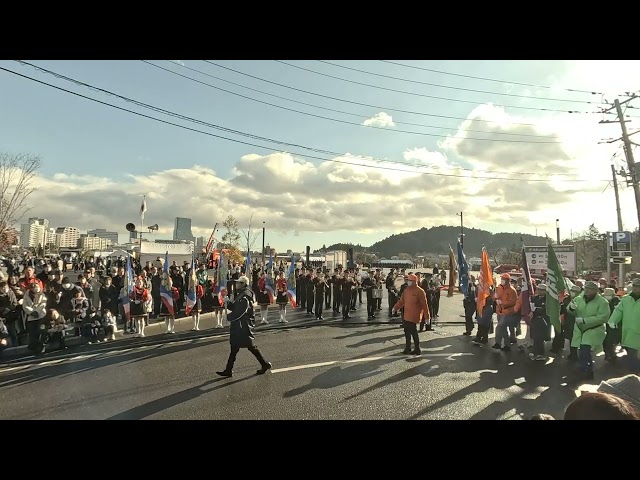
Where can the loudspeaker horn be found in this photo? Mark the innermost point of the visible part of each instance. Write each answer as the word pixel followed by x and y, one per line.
pixel 130 227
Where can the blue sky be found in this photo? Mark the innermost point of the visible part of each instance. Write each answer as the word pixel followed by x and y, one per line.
pixel 104 152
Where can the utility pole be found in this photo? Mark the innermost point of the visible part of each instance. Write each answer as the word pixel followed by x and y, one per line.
pixel 558 230
pixel 631 164
pixel 461 229
pixel 620 228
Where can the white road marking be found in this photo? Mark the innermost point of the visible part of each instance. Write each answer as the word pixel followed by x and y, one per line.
pixel 11 369
pixel 448 356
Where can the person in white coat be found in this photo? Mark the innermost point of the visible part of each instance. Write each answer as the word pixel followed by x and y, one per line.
pixel 34 309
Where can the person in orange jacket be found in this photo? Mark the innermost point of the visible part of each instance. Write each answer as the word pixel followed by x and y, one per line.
pixel 506 299
pixel 414 302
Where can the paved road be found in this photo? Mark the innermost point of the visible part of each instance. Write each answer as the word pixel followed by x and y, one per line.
pixel 320 372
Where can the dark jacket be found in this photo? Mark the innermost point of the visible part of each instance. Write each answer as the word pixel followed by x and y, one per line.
pixel 242 320
pixel 487 313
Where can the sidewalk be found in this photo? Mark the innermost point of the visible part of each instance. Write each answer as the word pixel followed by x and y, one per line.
pixel 450 309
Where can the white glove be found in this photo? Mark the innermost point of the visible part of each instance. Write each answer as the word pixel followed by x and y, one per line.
pixel 499 302
pixel 572 305
pixel 393 311
pixel 580 320
pixel 226 298
pixel 612 325
pixel 532 306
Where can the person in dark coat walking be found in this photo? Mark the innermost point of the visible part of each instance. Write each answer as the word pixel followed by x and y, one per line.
pixel 241 324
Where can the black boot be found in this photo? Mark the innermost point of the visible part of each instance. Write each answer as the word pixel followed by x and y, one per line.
pixel 266 366
pixel 225 373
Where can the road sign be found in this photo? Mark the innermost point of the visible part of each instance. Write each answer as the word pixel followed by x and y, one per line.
pixel 623 261
pixel 537 258
pixel 621 241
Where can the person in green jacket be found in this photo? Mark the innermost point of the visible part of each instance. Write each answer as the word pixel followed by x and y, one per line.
pixel 628 312
pixel 592 312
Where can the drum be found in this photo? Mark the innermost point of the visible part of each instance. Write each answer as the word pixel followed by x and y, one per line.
pixel 398 282
pixel 377 293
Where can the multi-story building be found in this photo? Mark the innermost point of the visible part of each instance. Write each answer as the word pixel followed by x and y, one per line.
pixel 34 233
pixel 182 229
pixel 67 237
pixel 92 242
pixel 200 242
pixel 102 233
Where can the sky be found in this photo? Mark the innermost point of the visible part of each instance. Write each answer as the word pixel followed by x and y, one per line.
pixel 370 156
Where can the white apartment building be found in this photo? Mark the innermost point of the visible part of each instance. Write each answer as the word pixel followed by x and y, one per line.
pixel 67 237
pixel 34 233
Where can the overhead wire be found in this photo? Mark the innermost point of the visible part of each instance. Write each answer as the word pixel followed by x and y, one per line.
pixel 490 79
pixel 516 95
pixel 331 109
pixel 271 148
pixel 351 101
pixel 424 95
pixel 238 132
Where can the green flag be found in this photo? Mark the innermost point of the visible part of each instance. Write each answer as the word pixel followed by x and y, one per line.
pixel 556 288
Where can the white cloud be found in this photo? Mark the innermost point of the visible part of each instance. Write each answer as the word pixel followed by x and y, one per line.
pixel 381 119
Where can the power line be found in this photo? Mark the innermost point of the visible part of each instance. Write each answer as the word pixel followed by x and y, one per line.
pixel 422 94
pixel 270 148
pixel 238 132
pixel 489 79
pixel 331 109
pixel 356 103
pixel 456 88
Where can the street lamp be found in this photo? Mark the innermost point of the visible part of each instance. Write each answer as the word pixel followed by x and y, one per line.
pixel 461 229
pixel 558 230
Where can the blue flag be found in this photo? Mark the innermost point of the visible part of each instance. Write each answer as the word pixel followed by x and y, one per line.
pixel 463 270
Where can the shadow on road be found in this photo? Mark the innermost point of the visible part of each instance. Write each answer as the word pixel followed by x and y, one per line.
pixel 183 396
pixel 339 375
pixel 37 373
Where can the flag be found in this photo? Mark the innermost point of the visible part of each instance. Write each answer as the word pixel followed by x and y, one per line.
pixel 128 288
pixel 166 295
pixel 291 283
pixel 269 281
pixel 527 287
pixel 247 265
pixel 191 293
pixel 485 280
pixel 463 270
pixel 143 207
pixel 453 269
pixel 221 277
pixel 556 288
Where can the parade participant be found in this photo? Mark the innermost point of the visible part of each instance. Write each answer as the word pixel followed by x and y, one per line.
pixel 506 299
pixel 470 304
pixel 485 320
pixel 139 296
pixel 34 309
pixel 328 291
pixel 414 303
pixel 628 313
pixel 301 288
pixel 262 298
pixel 197 308
pixel 216 302
pixel 368 286
pixel 170 319
pixel 540 323
pixel 592 312
pixel 310 289
pixel 336 284
pixel 242 322
pixel 320 287
pixel 347 286
pixel 425 285
pixel 613 334
pixel 282 298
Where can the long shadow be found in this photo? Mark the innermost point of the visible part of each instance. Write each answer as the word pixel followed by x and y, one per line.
pixel 361 333
pixel 373 341
pixel 339 375
pixel 36 373
pixel 164 403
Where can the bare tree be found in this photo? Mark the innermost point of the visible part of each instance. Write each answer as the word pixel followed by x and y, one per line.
pixel 248 237
pixel 16 185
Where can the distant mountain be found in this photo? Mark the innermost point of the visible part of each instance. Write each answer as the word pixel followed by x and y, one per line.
pixel 436 240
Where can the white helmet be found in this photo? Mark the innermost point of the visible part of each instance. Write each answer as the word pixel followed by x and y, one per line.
pixel 243 279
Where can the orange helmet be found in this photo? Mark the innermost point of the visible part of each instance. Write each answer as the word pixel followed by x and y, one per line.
pixel 505 276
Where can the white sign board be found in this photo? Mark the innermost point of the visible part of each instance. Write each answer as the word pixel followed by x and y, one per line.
pixel 537 258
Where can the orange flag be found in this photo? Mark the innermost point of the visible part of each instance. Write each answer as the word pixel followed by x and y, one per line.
pixel 485 280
